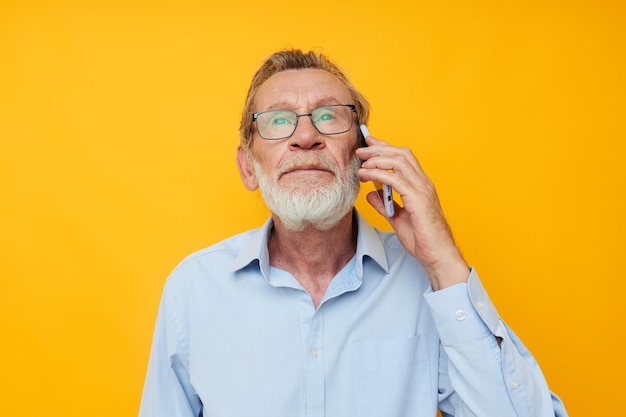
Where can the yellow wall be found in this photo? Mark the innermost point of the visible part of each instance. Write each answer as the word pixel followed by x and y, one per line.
pixel 118 125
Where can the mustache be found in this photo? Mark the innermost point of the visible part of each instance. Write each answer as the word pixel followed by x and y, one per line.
pixel 307 161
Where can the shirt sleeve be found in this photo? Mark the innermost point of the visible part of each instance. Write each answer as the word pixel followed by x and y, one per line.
pixel 168 391
pixel 478 377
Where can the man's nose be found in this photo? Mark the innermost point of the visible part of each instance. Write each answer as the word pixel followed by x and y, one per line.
pixel 306 135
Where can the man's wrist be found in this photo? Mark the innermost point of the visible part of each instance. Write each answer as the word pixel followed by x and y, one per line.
pixel 448 273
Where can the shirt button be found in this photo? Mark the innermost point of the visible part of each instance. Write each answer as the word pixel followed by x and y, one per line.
pixel 480 305
pixel 460 315
pixel 315 353
pixel 514 384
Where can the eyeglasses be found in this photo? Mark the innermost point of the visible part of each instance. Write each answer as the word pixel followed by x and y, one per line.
pixel 281 124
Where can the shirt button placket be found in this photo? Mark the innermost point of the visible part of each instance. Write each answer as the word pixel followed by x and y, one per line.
pixel 315 369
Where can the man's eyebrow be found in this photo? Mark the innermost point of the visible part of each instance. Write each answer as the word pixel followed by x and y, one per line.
pixel 280 105
pixel 287 105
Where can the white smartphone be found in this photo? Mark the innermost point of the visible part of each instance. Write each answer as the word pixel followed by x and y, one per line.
pixel 384 191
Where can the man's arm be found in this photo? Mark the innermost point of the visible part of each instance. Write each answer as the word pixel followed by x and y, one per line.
pixel 167 389
pixel 478 375
pixel 484 369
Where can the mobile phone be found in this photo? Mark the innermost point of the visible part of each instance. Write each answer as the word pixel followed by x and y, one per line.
pixel 385 192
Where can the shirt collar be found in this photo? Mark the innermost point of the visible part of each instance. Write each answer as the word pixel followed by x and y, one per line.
pixel 368 244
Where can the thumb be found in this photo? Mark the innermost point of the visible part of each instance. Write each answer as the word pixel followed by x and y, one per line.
pixel 374 199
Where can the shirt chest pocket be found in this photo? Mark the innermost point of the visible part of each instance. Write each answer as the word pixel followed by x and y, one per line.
pixel 395 377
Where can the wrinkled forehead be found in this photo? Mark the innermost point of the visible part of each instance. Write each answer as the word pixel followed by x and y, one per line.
pixel 301 90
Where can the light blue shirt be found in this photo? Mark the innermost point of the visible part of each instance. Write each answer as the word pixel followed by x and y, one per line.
pixel 236 337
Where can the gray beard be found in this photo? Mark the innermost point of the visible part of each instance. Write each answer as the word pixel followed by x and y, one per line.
pixel 307 203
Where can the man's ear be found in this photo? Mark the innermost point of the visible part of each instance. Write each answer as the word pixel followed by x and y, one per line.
pixel 245 170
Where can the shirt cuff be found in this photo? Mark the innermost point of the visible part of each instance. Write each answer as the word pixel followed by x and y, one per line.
pixel 462 312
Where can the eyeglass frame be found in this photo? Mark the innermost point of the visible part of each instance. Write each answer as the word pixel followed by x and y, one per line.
pixel 352 107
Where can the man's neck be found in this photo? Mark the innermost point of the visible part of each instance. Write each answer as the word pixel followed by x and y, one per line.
pixel 312 256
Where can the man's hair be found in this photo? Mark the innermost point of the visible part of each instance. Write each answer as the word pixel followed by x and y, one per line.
pixel 294 59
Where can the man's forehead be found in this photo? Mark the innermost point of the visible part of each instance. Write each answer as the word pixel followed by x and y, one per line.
pixel 303 87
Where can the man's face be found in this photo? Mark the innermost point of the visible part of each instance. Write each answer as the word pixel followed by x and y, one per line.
pixel 308 179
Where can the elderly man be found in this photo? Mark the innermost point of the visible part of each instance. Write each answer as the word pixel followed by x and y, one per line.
pixel 316 313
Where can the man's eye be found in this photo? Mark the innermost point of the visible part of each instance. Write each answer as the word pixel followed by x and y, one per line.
pixel 325 116
pixel 277 121
pixel 280 118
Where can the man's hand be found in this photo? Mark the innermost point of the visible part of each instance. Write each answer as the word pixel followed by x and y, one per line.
pixel 420 223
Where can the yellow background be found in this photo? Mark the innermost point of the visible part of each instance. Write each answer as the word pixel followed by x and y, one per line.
pixel 118 126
